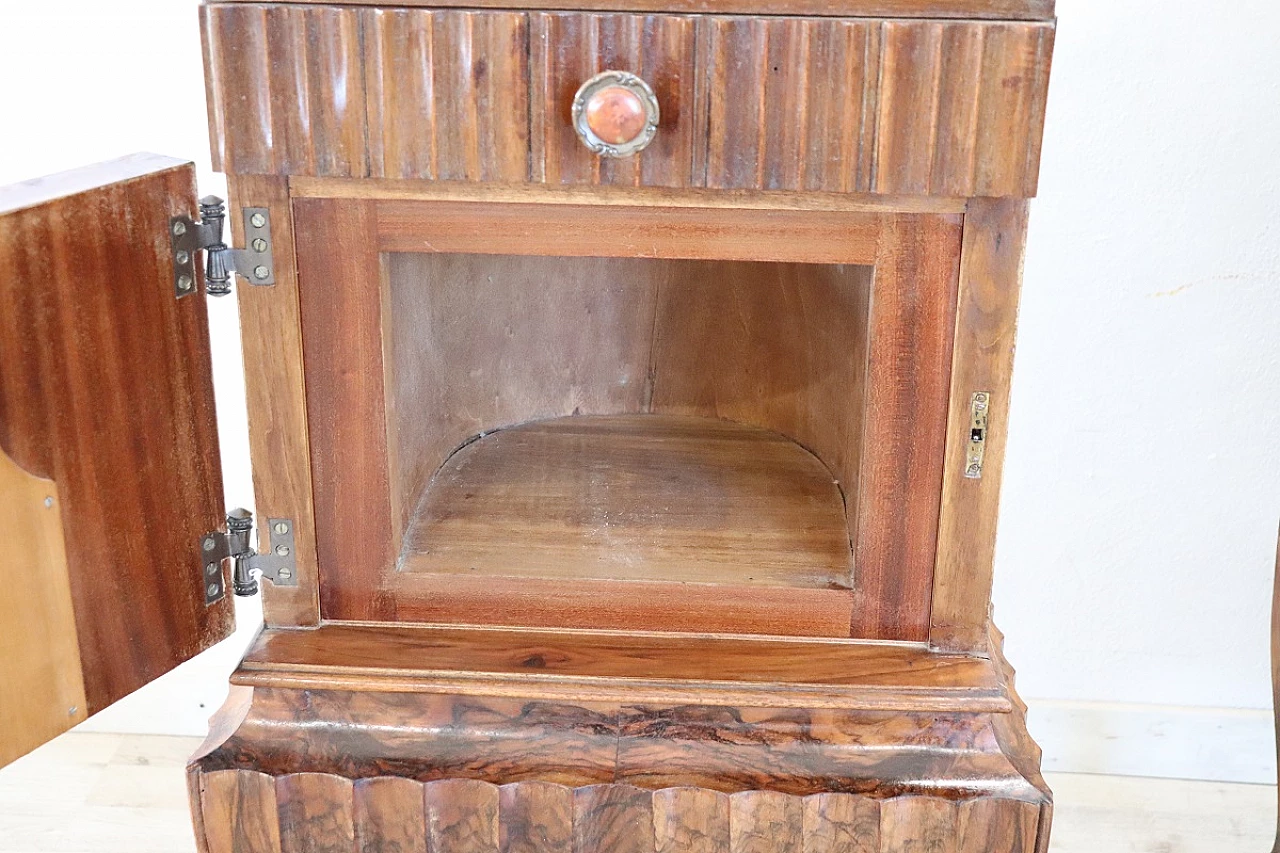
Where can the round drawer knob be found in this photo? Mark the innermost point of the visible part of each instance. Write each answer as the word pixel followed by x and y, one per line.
pixel 615 113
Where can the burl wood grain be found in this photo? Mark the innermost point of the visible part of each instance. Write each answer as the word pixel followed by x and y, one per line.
pixel 468 773
pixel 639 497
pixel 106 388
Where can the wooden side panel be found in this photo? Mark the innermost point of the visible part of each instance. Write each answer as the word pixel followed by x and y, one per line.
pixel 448 94
pixel 39 655
pixel 286 89
pixel 569 48
pixel 339 273
pixel 991 825
pixel 895 106
pixel 279 445
pixel 106 388
pixel 990 277
pixel 909 369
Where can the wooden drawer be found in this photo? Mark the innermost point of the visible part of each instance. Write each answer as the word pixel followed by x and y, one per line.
pixel 839 105
pixel 569 48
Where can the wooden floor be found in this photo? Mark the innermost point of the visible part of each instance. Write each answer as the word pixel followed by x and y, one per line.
pixel 125 793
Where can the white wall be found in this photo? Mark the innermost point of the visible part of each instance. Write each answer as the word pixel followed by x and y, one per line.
pixel 1143 478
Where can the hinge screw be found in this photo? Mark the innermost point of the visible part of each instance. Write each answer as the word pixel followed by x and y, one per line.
pixel 179 228
pixel 281 528
pixel 259 245
pixel 285 574
pixel 282 550
pixel 182 257
pixel 974 470
pixel 261 272
pixel 257 220
pixel 48 502
pixel 211 569
pixel 71 712
pixel 209 543
pixel 213 590
pixel 184 282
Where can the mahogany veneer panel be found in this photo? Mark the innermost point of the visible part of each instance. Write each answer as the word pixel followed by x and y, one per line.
pixel 286 89
pixel 448 94
pixel 635 667
pixel 942 108
pixel 569 48
pixel 106 389
pixel 640 497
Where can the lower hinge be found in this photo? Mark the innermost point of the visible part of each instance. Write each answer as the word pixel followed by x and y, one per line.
pixel 277 564
pixel 255 263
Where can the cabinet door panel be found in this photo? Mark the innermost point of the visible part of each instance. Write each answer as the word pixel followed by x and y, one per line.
pixel 110 468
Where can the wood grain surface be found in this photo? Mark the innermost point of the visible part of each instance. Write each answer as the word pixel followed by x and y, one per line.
pixel 106 388
pixel 567 49
pixel 586 666
pixel 986 320
pixel 859 103
pixel 279 444
pixel 638 497
pixel 978 9
pixel 448 94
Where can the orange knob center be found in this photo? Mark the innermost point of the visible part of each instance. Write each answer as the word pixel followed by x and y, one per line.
pixel 615 115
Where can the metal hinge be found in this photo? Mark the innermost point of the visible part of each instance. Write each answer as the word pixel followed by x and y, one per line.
pixel 977 435
pixel 277 564
pixel 255 263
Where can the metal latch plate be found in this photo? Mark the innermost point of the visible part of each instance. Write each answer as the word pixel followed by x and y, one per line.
pixel 978 405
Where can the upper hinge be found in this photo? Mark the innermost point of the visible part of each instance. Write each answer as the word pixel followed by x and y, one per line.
pixel 255 263
pixel 277 564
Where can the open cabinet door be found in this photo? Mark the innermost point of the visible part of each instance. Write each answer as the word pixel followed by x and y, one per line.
pixel 109 467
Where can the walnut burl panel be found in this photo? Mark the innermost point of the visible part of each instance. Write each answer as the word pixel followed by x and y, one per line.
pixel 308 770
pixel 905 106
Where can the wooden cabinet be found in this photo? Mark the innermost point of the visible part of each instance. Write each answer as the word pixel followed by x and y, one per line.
pixel 605 502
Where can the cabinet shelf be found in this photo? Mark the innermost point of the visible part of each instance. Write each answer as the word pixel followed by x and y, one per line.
pixel 635 498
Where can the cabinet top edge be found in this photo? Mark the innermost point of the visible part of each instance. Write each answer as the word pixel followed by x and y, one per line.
pixel 977 10
pixel 37 191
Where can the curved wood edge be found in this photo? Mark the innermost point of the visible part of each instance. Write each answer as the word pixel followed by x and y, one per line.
pixel 40 664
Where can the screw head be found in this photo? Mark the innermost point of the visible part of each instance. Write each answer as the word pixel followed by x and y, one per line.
pixel 48 502
pixel 283 550
pixel 974 471
pixel 261 272
pixel 257 220
pixel 211 569
pixel 179 228
pixel 259 245
pixel 281 527
pixel 285 574
pixel 182 257
pixel 212 590
pixel 209 543
pixel 184 282
pixel 71 712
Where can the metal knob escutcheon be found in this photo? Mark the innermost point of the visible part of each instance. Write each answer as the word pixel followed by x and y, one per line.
pixel 615 113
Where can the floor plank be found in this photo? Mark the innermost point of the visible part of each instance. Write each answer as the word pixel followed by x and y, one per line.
pixel 108 793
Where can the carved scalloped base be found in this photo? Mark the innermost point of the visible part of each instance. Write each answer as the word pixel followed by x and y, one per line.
pixel 348 770
pixel 250 812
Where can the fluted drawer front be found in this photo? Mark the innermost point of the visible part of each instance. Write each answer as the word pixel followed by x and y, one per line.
pixel 890 106
pixel 569 48
pixel 448 94
pixel 875 106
